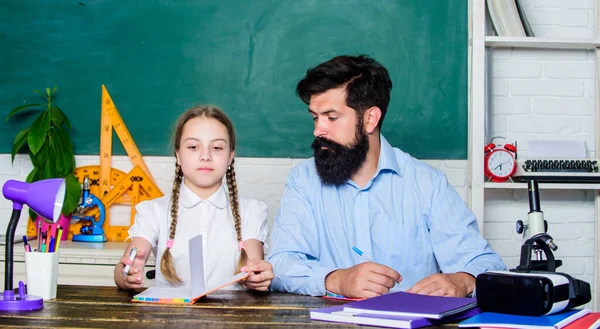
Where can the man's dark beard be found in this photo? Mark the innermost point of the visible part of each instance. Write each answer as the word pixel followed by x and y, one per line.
pixel 337 163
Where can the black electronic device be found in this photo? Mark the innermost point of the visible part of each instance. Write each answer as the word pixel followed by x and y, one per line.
pixel 560 165
pixel 532 294
pixel 582 171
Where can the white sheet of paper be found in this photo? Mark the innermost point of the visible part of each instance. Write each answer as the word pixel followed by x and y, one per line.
pixel 196 276
pixel 545 149
pixel 196 265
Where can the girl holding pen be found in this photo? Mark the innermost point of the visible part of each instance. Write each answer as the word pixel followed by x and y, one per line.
pixel 234 229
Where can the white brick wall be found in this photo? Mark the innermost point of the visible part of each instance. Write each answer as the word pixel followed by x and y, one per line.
pixel 561 18
pixel 546 94
pixel 258 178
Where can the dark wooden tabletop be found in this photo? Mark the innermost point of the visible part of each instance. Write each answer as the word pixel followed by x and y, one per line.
pixel 108 307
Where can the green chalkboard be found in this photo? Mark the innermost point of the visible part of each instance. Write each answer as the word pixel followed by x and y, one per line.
pixel 158 58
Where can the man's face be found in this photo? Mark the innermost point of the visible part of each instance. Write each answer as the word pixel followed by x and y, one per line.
pixel 341 144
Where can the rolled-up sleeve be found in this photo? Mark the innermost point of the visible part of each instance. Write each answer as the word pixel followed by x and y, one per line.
pixel 254 221
pixel 145 223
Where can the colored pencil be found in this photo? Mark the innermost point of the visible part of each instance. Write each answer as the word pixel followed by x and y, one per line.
pixel 58 238
pixel 39 235
pixel 48 237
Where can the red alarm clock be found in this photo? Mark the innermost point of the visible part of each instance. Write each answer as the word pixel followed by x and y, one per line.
pixel 500 161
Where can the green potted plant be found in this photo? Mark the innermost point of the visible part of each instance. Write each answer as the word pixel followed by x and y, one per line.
pixel 50 149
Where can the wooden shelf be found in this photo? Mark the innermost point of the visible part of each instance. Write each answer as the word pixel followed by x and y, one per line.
pixel 548 43
pixel 542 186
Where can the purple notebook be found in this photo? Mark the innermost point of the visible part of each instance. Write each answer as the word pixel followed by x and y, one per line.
pixel 406 304
pixel 337 314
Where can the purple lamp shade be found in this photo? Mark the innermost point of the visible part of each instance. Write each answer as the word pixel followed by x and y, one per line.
pixel 45 197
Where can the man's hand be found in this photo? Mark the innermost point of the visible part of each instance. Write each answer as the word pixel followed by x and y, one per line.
pixel 458 284
pixel 261 274
pixel 362 281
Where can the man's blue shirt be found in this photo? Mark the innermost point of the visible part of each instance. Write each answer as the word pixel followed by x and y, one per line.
pixel 406 217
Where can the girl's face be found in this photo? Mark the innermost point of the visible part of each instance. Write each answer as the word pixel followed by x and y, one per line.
pixel 204 155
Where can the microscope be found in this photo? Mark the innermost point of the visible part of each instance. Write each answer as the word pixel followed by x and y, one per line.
pixel 91 231
pixel 537 241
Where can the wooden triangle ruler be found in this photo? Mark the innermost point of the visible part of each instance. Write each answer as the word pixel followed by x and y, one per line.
pixel 111 119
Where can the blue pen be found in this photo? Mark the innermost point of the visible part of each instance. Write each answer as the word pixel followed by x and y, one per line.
pixel 25 244
pixel 361 254
pixel 52 243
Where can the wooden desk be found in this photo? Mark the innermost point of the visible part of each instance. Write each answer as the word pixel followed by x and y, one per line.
pixel 108 307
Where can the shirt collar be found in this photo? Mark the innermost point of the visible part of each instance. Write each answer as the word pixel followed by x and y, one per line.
pixel 387 157
pixel 387 161
pixel 189 199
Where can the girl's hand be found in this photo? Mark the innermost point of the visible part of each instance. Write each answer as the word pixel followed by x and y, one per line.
pixel 260 274
pixel 134 278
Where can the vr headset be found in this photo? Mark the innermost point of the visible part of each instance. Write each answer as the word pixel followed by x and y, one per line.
pixel 534 293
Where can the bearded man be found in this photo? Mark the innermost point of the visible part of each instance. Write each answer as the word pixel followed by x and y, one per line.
pixel 414 231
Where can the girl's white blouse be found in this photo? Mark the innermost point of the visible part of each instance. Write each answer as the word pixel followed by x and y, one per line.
pixel 212 219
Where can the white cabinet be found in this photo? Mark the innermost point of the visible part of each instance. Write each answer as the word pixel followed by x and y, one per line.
pixel 80 263
pixel 480 46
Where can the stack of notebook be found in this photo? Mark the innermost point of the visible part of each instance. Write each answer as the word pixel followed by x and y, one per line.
pixel 400 310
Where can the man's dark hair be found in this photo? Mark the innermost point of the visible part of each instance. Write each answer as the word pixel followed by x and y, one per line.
pixel 366 81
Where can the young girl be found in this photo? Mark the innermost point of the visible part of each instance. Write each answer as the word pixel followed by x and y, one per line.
pixel 233 229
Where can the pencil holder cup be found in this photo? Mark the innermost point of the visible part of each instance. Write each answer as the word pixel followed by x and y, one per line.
pixel 41 272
